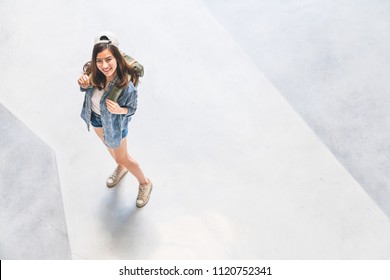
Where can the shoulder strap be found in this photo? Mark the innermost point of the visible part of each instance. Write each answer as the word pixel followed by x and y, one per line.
pixel 116 92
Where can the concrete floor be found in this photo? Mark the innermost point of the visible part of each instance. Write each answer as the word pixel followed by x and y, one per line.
pixel 329 60
pixel 238 174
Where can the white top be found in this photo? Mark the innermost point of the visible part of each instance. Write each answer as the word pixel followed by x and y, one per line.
pixel 96 97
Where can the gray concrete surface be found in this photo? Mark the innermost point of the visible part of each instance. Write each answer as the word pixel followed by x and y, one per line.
pixel 237 173
pixel 31 210
pixel 330 60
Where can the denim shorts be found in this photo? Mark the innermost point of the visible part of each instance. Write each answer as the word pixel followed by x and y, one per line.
pixel 96 121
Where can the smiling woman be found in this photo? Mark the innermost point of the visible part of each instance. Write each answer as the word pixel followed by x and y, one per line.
pixel 106 64
pixel 109 72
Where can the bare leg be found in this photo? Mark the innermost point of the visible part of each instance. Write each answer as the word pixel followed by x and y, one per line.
pixel 122 158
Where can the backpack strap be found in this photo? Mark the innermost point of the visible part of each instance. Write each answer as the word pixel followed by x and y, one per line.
pixel 116 92
pixel 139 71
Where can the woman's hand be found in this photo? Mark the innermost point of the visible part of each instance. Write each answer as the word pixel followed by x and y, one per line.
pixel 84 81
pixel 114 108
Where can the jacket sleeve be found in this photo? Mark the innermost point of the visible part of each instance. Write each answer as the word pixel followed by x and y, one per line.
pixel 84 89
pixel 128 99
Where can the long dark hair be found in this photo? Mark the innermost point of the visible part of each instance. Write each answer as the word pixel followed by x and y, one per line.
pixel 98 79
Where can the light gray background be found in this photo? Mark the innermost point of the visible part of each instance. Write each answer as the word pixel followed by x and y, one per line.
pixel 238 173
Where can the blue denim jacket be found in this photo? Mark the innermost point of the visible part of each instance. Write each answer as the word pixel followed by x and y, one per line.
pixel 113 124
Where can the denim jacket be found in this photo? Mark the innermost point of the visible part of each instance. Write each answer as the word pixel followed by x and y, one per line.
pixel 113 124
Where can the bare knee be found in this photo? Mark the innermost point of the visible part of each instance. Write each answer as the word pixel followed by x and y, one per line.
pixel 121 160
pixel 126 161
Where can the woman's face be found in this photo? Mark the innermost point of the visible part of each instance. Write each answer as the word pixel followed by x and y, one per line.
pixel 106 63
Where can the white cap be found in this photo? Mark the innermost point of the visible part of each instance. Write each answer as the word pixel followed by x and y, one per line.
pixel 107 37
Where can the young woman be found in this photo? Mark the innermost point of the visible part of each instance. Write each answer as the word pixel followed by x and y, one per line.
pixel 108 72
